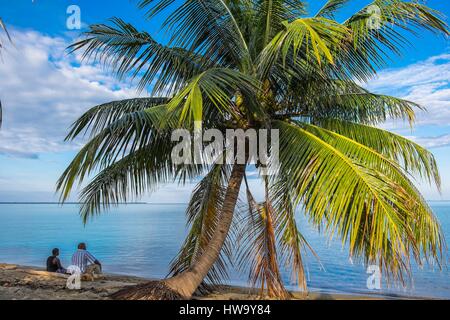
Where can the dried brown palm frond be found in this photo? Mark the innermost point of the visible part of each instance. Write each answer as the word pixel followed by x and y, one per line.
pixel 258 248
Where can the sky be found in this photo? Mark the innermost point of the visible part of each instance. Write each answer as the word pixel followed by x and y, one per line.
pixel 43 89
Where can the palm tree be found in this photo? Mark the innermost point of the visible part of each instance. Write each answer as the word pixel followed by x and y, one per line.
pixel 263 64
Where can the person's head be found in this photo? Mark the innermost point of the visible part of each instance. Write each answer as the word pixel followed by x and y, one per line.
pixel 82 246
pixel 55 252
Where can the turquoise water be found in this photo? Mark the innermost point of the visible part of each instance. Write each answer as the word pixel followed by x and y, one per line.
pixel 141 239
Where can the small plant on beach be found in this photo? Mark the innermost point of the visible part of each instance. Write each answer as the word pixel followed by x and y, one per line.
pixel 263 64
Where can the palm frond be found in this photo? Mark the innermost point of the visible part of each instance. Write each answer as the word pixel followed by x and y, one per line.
pixel 206 26
pixel 134 175
pixel 411 156
pixel 369 158
pixel 125 50
pixel 330 8
pixel 303 40
pixel 102 116
pixel 365 107
pixel 154 7
pixel 371 46
pixel 219 87
pixel 325 99
pixel 271 14
pixel 370 209
pixel 125 135
pixel 292 244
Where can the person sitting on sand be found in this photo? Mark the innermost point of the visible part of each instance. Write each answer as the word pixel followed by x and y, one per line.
pixel 87 263
pixel 54 264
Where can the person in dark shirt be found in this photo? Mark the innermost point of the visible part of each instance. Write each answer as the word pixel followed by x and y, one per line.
pixel 54 264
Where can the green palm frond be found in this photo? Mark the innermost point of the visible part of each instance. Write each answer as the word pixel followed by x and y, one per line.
pixel 292 243
pixel 330 7
pixel 272 13
pixel 125 135
pixel 125 50
pixel 376 44
pixel 411 156
pixel 343 100
pixel 218 86
pixel 369 158
pixel 373 40
pixel 411 14
pixel 154 7
pixel 365 107
pixel 303 40
pixel 374 212
pixel 102 116
pixel 206 26
pixel 142 171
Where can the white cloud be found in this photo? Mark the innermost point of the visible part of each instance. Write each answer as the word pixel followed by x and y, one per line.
pixel 426 83
pixel 432 142
pixel 44 90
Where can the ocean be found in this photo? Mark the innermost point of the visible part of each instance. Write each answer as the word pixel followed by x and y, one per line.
pixel 142 239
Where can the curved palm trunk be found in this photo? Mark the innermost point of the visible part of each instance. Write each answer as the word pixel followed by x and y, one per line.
pixel 186 283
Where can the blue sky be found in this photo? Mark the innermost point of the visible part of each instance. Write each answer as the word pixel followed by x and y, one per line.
pixel 43 90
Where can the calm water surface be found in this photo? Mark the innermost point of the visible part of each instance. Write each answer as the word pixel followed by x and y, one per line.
pixel 141 240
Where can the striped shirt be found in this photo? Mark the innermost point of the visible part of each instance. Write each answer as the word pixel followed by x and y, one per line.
pixel 81 258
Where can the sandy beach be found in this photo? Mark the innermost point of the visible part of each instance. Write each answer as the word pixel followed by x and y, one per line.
pixel 31 283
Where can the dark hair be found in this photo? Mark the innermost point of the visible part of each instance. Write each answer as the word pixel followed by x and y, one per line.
pixel 55 251
pixel 82 246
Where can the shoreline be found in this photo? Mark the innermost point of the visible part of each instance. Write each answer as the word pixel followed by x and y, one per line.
pixel 19 282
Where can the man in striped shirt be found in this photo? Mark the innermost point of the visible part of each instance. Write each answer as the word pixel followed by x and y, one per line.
pixel 87 263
